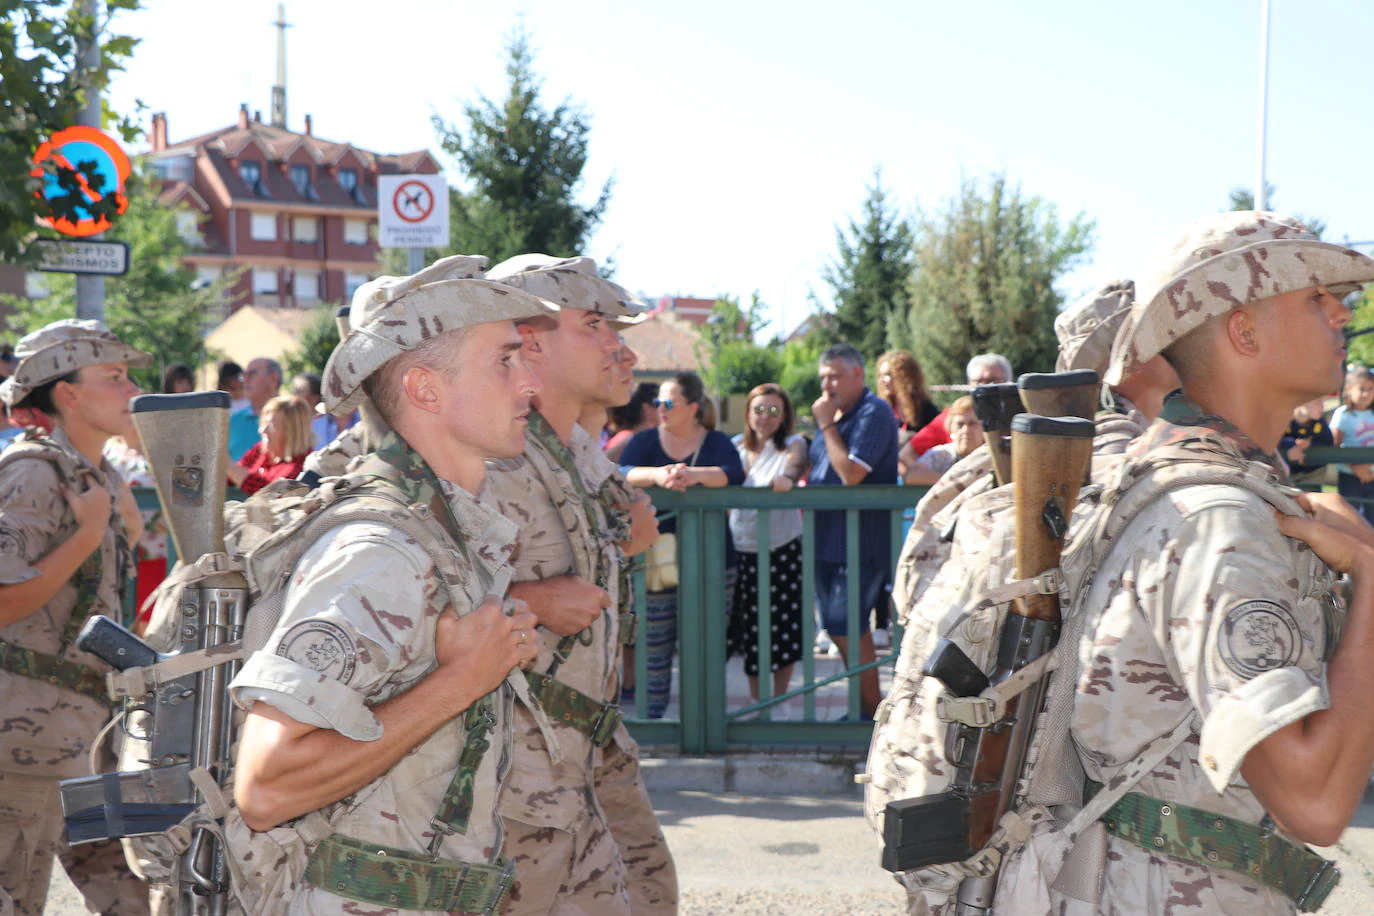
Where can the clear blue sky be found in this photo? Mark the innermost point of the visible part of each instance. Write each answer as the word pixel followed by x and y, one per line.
pixel 740 133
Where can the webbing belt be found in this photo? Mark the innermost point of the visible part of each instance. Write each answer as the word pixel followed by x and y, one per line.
pixel 56 671
pixel 389 877
pixel 574 708
pixel 1217 841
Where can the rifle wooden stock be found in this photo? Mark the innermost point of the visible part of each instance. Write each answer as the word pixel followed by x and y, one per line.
pixel 1049 457
pixel 995 406
pixel 1060 394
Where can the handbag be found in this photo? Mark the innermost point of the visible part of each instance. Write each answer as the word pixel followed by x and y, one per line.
pixel 660 571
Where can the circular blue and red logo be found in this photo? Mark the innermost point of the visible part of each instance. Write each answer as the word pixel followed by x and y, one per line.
pixel 83 172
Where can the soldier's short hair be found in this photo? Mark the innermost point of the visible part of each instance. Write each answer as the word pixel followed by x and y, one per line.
pixel 384 387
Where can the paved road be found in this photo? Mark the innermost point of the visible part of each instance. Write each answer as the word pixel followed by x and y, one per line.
pixel 756 856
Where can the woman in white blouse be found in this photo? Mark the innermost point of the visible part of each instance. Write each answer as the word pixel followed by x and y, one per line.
pixel 772 457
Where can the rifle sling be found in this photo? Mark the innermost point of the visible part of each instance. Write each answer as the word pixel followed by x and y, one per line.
pixel 572 707
pixel 388 877
pixel 1216 841
pixel 40 666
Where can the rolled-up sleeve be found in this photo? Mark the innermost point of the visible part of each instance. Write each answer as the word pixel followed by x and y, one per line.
pixel 355 614
pixel 873 437
pixel 1247 644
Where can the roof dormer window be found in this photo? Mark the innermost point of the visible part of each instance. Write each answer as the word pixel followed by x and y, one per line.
pixel 348 180
pixel 300 177
pixel 250 171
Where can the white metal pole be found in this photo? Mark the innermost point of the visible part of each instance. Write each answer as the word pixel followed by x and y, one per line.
pixel 90 288
pixel 1261 203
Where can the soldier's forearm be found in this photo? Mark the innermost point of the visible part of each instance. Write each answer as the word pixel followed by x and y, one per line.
pixel 56 568
pixel 286 769
pixel 1311 775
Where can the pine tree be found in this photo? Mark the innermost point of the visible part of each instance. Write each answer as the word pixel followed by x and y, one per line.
pixel 868 279
pixel 523 164
pixel 985 283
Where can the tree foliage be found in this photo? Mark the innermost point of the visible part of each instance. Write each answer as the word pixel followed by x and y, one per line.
pixel 729 334
pixel 986 269
pixel 523 163
pixel 798 371
pixel 45 86
pixel 318 340
pixel 153 306
pixel 868 278
pixel 1243 198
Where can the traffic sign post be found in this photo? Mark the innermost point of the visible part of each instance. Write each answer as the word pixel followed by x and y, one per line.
pixel 412 212
pixel 82 256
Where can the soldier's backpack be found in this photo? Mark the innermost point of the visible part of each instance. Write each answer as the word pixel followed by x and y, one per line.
pixel 911 752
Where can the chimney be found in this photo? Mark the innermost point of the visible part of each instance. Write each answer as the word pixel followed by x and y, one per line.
pixel 257 117
pixel 243 116
pixel 159 131
pixel 309 126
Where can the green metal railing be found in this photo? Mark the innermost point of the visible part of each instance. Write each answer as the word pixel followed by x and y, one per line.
pixel 705 724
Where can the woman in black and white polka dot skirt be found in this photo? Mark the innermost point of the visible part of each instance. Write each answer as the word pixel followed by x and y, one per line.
pixel 772 457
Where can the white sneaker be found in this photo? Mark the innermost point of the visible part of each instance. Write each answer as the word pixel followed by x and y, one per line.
pixel 882 639
pixel 824 646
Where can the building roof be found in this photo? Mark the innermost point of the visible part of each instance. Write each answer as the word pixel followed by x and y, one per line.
pixel 687 308
pixel 666 343
pixel 254 331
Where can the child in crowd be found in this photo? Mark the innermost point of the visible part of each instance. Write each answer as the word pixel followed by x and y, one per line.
pixel 965 433
pixel 1307 428
pixel 1353 427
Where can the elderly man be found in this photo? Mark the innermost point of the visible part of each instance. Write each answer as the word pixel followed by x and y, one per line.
pixel 1220 681
pixel 983 369
pixel 64 556
pixel 379 729
pixel 261 383
pixel 856 443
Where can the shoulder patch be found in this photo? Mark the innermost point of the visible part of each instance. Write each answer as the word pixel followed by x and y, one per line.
pixel 1259 636
pixel 321 646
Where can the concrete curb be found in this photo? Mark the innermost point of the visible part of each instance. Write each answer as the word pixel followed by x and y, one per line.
pixel 775 773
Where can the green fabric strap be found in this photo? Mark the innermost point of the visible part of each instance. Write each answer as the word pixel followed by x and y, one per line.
pixel 455 808
pixel 398 464
pixel 87 581
pixel 389 877
pixel 56 671
pixel 574 708
pixel 1216 841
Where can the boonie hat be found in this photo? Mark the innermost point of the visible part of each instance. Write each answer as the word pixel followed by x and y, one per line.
pixel 1087 328
pixel 391 315
pixel 1222 263
pixel 571 283
pixel 60 349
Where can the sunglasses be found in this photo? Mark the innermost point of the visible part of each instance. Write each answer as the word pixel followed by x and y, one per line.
pixel 772 410
pixel 665 403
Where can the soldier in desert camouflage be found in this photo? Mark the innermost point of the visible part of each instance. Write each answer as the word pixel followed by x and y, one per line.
pixel 1211 613
pixel 378 734
pixel 66 525
pixel 581 828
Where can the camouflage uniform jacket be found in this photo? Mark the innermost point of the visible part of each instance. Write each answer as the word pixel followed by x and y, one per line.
pixel 560 533
pixel 339 456
pixel 46 729
pixel 357 628
pixel 1201 609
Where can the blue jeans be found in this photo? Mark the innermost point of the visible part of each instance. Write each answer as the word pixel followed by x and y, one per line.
pixel 832 595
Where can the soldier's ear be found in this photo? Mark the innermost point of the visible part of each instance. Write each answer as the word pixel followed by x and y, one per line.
pixel 531 344
pixel 420 386
pixel 1240 330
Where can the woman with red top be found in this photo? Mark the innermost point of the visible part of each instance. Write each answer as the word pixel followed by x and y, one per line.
pixel 286 440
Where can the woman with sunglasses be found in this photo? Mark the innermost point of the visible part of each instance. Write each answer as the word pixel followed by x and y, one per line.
pixel 772 457
pixel 684 449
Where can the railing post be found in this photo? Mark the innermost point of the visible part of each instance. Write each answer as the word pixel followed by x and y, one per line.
pixel 765 606
pixel 690 618
pixel 712 628
pixel 854 583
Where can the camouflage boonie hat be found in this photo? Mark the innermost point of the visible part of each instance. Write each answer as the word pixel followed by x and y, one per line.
pixel 60 349
pixel 1087 328
pixel 391 315
pixel 1222 263
pixel 571 283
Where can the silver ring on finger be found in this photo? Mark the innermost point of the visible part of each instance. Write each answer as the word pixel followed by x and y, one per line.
pixel 523 635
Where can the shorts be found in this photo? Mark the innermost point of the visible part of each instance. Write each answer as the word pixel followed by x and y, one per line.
pixel 832 595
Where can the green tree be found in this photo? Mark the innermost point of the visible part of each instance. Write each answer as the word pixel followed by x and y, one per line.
pixel 318 340
pixel 799 363
pixel 1243 198
pixel 868 279
pixel 987 266
pixel 523 164
pixel 43 86
pixel 728 336
pixel 153 306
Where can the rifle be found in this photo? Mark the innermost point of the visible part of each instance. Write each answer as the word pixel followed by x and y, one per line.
pixel 1049 458
pixel 185 719
pixel 995 406
pixel 1060 394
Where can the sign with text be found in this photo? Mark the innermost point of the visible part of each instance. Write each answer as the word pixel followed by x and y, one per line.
pixel 81 256
pixel 412 211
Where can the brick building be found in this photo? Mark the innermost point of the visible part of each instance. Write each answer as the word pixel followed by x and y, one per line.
pixel 298 212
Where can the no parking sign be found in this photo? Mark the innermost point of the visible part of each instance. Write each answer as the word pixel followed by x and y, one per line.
pixel 412 211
